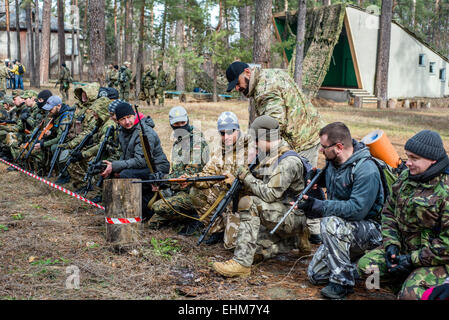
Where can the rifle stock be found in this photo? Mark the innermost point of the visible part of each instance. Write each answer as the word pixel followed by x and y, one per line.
pixel 33 135
pixel 41 135
pixel 182 180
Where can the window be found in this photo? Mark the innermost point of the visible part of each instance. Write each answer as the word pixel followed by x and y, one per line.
pixel 443 74
pixel 68 47
pixel 422 60
pixel 432 67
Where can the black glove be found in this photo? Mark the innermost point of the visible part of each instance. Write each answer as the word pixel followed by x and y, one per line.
pixel 76 156
pixel 440 292
pixel 312 207
pixel 24 115
pixel 404 265
pixel 392 249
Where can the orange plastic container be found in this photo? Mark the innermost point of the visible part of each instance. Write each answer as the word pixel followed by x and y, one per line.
pixel 380 147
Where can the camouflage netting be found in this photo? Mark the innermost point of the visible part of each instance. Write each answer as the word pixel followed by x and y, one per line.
pixel 324 25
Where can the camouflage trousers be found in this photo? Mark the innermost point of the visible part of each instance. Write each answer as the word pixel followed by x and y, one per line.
pixel 77 171
pixel 410 286
pixel 161 97
pixel 180 201
pixel 124 92
pixel 312 155
pixel 64 90
pixel 343 243
pixel 150 95
pixel 257 219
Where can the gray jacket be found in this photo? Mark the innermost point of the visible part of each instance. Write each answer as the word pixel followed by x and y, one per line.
pixel 132 153
pixel 354 189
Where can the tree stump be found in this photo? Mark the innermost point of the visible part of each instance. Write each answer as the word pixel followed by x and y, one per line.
pixel 123 200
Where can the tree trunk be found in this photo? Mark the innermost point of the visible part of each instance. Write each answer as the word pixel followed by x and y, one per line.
pixel 180 70
pixel 8 21
pixel 383 54
pixel 164 30
pixel 30 44
pixel 72 58
pixel 245 22
pixel 262 33
pixel 61 34
pixel 413 14
pixel 214 94
pixel 116 35
pixel 45 52
pixel 128 24
pixel 37 48
pixel 139 59
pixel 326 2
pixel 96 41
pixel 80 55
pixel 300 37
pixel 19 49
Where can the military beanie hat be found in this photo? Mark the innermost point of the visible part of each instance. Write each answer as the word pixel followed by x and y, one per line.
pixel 427 144
pixel 123 109
pixel 265 128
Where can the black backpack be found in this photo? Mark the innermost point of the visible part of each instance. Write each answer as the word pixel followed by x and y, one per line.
pixel 20 69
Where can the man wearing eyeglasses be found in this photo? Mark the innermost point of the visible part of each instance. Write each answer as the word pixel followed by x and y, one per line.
pixel 350 215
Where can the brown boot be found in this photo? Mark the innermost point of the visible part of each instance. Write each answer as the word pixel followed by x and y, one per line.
pixel 231 268
pixel 304 245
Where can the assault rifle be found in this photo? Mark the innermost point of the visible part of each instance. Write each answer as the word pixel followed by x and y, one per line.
pixel 78 148
pixel 30 139
pixel 4 122
pixel 232 194
pixel 182 180
pixel 47 128
pixel 96 165
pixel 58 149
pixel 300 198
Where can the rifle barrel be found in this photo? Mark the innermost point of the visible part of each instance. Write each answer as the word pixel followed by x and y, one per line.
pixel 182 180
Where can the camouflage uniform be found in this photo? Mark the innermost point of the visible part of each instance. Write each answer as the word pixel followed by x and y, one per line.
pixel 112 78
pixel 7 115
pixel 3 76
pixel 64 83
pixel 272 186
pixel 78 169
pixel 162 82
pixel 416 219
pixel 124 80
pixel 276 94
pixel 148 87
pixel 81 113
pixel 222 161
pixel 188 163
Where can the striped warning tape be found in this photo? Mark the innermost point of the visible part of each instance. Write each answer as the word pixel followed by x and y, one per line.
pixel 53 185
pixel 122 220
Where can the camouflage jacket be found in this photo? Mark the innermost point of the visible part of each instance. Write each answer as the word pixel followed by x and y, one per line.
pixel 274 181
pixel 111 148
pixel 90 122
pixel 64 76
pixel 416 218
pixel 276 94
pixel 220 163
pixel 36 116
pixel 148 79
pixel 189 154
pixel 60 123
pixel 112 77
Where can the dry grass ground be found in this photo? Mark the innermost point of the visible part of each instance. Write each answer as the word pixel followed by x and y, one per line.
pixel 43 231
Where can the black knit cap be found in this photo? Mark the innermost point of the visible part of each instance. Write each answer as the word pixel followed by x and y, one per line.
pixel 124 109
pixel 44 94
pixel 427 144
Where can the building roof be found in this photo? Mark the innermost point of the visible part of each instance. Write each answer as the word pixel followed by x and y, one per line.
pixel 22 21
pixel 292 14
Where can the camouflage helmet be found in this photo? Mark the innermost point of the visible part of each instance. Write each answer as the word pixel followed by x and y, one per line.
pixel 16 93
pixel 29 94
pixel 8 100
pixel 228 121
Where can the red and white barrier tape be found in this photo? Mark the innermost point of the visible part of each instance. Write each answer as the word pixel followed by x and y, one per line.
pixel 122 220
pixel 53 185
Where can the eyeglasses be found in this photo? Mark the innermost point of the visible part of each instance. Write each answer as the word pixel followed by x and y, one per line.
pixel 327 147
pixel 228 132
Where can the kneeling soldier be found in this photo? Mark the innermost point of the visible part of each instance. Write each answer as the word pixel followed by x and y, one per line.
pixel 276 181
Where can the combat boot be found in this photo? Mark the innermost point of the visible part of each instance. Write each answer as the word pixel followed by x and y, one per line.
pixel 231 268
pixel 336 291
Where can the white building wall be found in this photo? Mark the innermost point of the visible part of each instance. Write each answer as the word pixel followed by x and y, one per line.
pixel 406 79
